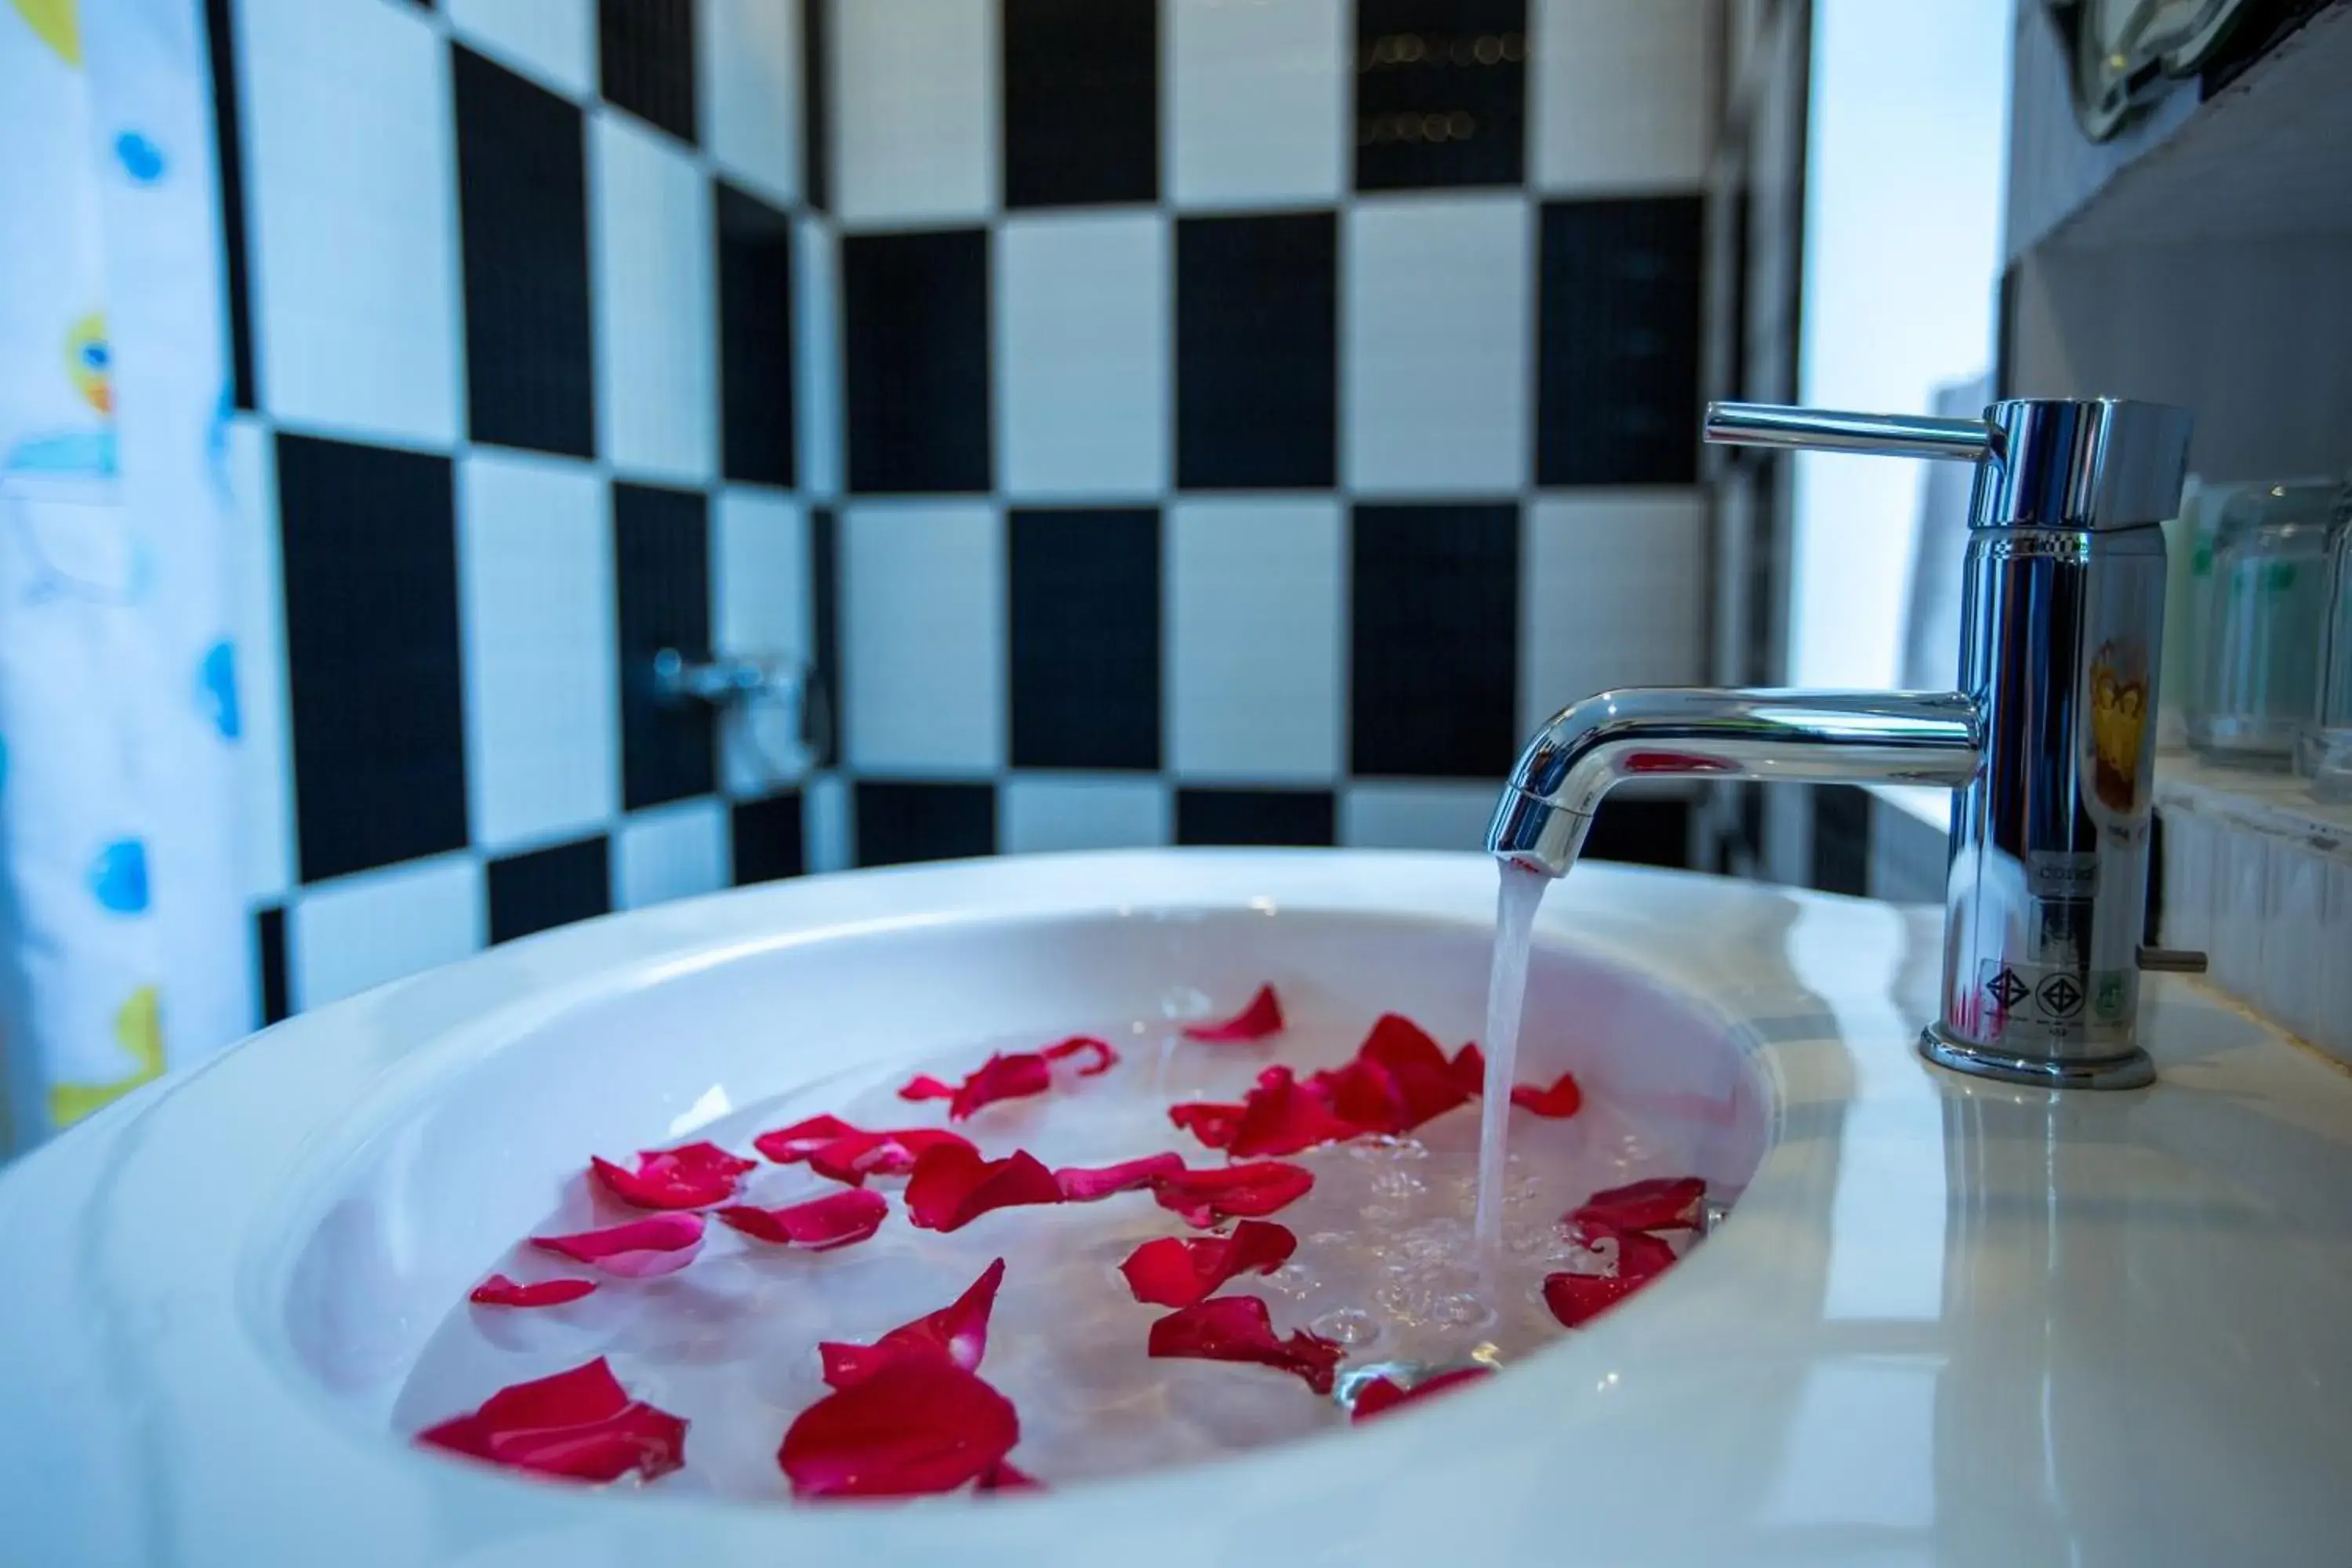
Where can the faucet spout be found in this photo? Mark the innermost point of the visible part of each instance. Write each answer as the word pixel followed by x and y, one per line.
pixel 1813 737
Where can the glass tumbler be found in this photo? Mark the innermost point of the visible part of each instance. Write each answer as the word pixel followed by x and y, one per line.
pixel 2261 633
pixel 2326 753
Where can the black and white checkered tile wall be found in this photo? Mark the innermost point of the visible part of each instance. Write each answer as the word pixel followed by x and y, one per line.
pixel 1191 421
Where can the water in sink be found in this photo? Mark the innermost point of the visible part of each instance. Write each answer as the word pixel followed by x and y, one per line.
pixel 1385 1266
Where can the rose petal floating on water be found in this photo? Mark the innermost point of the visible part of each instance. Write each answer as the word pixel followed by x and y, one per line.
pixel 580 1424
pixel 1002 1476
pixel 788 1145
pixel 1640 1254
pixel 857 1155
pixel 1177 1271
pixel 691 1176
pixel 957 1330
pixel 498 1290
pixel 1282 1116
pixel 1084 1184
pixel 923 1086
pixel 1577 1298
pixel 1105 1058
pixel 1470 1068
pixel 952 1186
pixel 658 1243
pixel 1016 1075
pixel 1261 1017
pixel 1213 1123
pixel 819 1224
pixel 1253 1191
pixel 1662 1203
pixel 1563 1098
pixel 1237 1328
pixel 1380 1396
pixel 917 1424
pixel 1427 1082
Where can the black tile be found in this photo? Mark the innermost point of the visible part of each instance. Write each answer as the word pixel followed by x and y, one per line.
pixel 645 51
pixel 1434 640
pixel 1084 587
pixel 220 34
pixel 1081 101
pixel 1440 93
pixel 755 337
pixel 371 574
pixel 1648 832
pixel 1277 817
pixel 522 199
pixel 269 957
pixel 661 562
pixel 816 104
pixel 1618 345
pixel 1256 352
pixel 1840 839
pixel 768 839
pixel 915 324
pixel 824 593
pixel 901 822
pixel 549 887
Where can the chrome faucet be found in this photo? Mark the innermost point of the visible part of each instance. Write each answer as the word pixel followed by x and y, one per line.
pixel 2051 739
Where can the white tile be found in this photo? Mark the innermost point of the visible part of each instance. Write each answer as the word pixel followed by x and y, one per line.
pixel 1612 592
pixel 266 769
pixel 1622 94
pixel 760 608
pixel 1432 815
pixel 535 585
pixel 1437 325
pixel 915 93
pixel 1081 355
pixel 554 41
pixel 656 317
pixel 816 348
pixel 357 933
pixel 1256 94
pixel 1256 622
pixel 1037 813
pixel 923 628
pixel 751 57
pixel 350 180
pixel 671 852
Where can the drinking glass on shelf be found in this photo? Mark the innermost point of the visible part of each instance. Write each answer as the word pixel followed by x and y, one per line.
pixel 2324 755
pixel 2268 599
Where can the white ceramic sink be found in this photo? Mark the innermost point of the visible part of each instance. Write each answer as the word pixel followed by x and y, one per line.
pixel 1946 1321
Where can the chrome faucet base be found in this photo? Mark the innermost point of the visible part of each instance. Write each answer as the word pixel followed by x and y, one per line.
pixel 2134 1069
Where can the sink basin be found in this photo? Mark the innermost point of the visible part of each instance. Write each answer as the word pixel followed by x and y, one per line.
pixel 225 1284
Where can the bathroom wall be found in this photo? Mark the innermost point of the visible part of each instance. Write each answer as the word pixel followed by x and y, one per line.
pixel 521 399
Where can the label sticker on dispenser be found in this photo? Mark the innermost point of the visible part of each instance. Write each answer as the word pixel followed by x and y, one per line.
pixel 2050 996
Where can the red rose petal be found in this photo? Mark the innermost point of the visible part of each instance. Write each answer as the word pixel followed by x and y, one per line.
pixel 918 1424
pixel 1427 1082
pixel 1470 1068
pixel 1640 1254
pixel 923 1086
pixel 1380 1396
pixel 1261 1017
pixel 952 1186
pixel 1082 1184
pixel 1237 1328
pixel 1577 1298
pixel 658 1243
pixel 1663 1203
pixel 957 1330
pixel 1364 1095
pixel 1105 1058
pixel 689 1177
pixel 1204 1198
pixel 1209 1120
pixel 498 1290
pixel 1282 1116
pixel 1002 1476
pixel 581 1424
pixel 819 1224
pixel 857 1155
pixel 1177 1271
pixel 788 1145
pixel 1563 1098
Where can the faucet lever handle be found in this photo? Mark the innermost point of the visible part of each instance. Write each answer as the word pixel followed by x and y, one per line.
pixel 1831 430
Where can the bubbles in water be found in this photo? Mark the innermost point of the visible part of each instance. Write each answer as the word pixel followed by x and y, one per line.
pixel 1347 1326
pixel 1460 1310
pixel 1399 1184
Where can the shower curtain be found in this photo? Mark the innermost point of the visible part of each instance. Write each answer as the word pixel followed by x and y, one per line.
pixel 123 946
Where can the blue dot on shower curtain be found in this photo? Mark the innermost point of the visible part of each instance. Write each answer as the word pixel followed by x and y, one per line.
pixel 217 688
pixel 118 876
pixel 140 158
